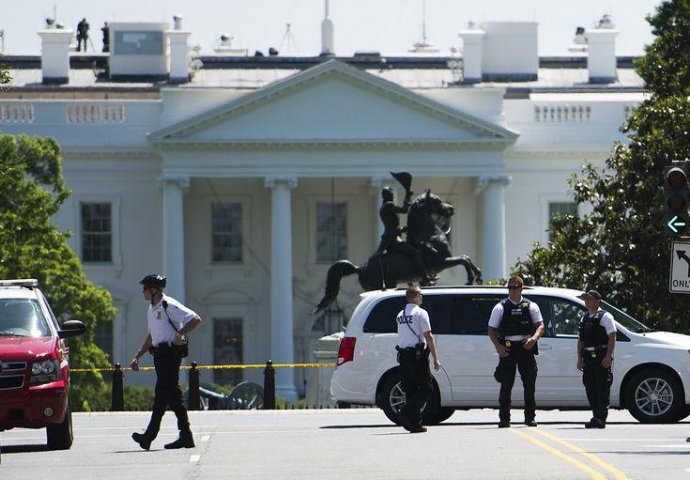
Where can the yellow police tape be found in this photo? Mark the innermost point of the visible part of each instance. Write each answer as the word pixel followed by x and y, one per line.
pixel 214 367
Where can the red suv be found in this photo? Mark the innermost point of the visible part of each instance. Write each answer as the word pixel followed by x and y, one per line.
pixel 34 378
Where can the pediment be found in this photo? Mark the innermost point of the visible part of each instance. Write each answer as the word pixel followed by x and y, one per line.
pixel 332 103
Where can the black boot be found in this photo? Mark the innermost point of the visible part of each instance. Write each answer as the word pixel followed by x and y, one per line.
pixel 142 439
pixel 184 441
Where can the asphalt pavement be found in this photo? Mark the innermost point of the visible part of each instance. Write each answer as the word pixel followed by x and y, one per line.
pixel 354 444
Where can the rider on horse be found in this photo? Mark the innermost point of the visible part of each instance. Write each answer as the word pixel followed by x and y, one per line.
pixel 391 240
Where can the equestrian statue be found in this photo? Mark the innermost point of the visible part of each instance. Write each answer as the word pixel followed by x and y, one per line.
pixel 420 257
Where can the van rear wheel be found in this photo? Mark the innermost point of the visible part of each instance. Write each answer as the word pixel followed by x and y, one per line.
pixel 393 401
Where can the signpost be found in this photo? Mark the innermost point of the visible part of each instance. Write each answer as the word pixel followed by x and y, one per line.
pixel 679 281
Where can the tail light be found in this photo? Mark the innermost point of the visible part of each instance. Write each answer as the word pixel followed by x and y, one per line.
pixel 346 351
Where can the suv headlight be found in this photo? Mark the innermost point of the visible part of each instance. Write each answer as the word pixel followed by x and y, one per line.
pixel 45 372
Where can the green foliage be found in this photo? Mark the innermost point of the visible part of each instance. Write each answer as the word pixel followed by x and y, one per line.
pixel 139 399
pixel 620 247
pixel 32 189
pixel 5 76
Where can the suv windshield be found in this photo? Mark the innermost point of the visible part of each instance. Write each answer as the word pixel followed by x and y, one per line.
pixel 22 317
pixel 625 320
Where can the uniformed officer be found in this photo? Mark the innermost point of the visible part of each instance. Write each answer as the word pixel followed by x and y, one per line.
pixel 595 345
pixel 169 322
pixel 415 342
pixel 515 326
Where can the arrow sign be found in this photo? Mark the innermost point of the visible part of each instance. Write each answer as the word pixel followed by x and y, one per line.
pixel 679 279
pixel 677 224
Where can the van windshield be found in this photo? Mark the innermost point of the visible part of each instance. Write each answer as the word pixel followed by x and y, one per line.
pixel 625 320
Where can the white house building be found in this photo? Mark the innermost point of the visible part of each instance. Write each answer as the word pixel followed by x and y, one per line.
pixel 242 178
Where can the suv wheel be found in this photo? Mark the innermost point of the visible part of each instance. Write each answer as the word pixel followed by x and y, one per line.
pixel 60 435
pixel 654 396
pixel 393 400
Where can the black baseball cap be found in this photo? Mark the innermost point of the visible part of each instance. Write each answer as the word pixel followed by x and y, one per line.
pixel 590 293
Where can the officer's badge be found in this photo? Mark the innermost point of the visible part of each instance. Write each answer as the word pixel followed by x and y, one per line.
pixel 158 315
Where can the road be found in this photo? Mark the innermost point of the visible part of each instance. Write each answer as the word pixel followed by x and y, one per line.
pixel 357 443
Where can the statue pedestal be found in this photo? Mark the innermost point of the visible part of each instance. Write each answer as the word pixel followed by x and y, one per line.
pixel 319 383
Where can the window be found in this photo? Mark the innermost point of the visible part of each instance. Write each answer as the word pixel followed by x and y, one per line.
pixel 138 43
pixel 96 232
pixel 331 231
pixel 227 349
pixel 566 317
pixel 557 209
pixel 226 232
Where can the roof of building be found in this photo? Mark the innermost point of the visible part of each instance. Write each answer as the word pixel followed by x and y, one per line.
pixel 89 72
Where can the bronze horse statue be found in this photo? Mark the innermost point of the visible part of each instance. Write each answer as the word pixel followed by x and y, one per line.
pixel 428 226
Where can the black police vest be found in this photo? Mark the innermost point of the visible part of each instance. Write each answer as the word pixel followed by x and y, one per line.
pixel 516 319
pixel 591 332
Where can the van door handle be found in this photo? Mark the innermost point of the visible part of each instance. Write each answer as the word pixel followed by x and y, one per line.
pixel 545 347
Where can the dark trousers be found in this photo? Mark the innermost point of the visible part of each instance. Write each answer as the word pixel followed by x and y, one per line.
pixel 597 381
pixel 527 366
pixel 415 376
pixel 168 393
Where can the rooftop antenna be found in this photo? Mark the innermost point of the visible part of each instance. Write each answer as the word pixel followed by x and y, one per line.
pixel 289 38
pixel 423 46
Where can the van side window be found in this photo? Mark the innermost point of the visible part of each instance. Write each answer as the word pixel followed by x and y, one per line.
pixel 382 316
pixel 469 315
pixel 566 317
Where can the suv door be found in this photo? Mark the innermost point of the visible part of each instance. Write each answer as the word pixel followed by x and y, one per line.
pixel 559 382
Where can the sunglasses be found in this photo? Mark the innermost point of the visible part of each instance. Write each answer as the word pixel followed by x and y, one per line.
pixel 514 287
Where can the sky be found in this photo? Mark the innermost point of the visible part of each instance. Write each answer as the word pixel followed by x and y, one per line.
pixel 387 26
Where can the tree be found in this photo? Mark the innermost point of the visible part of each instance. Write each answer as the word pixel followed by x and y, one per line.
pixel 32 189
pixel 620 247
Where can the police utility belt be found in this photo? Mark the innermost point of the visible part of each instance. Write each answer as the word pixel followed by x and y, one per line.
pixel 166 348
pixel 419 351
pixel 594 352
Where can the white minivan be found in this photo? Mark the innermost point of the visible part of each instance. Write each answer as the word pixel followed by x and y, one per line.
pixel 651 370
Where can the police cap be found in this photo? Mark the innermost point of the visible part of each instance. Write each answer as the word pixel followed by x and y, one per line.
pixel 590 293
pixel 155 280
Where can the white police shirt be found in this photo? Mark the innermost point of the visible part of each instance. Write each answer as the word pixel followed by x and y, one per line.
pixel 413 322
pixel 497 317
pixel 160 329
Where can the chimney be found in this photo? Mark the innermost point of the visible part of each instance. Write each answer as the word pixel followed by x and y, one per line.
pixel 472 41
pixel 327 35
pixel 55 44
pixel 510 51
pixel 601 47
pixel 179 60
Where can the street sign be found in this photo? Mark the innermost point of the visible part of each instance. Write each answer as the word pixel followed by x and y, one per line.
pixel 679 281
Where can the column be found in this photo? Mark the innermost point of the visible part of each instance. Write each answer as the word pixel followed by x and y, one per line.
pixel 173 234
pixel 282 333
pixel 492 189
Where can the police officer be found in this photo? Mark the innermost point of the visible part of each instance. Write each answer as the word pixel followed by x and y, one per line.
pixel 595 345
pixel 169 322
pixel 391 240
pixel 415 342
pixel 515 325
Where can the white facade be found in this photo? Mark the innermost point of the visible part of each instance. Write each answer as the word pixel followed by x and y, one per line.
pixel 278 142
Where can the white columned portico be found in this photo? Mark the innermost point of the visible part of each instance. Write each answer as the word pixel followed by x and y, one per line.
pixel 282 334
pixel 492 190
pixel 173 234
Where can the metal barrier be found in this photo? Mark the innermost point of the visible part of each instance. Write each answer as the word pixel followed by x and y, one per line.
pixel 244 396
